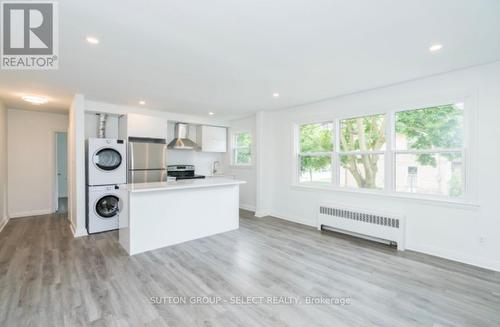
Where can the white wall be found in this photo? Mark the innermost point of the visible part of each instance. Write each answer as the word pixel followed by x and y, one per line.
pixel 32 161
pixel 464 233
pixel 248 174
pixel 264 163
pixel 3 166
pixel 76 166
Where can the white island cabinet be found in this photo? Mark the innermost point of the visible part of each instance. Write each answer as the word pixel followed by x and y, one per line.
pixel 163 214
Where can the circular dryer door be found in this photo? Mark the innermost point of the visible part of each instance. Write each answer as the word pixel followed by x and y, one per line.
pixel 108 206
pixel 107 159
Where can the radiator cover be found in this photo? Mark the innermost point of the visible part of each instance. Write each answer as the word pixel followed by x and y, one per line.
pixel 373 224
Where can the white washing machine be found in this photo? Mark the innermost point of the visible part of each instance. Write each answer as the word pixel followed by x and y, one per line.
pixel 106 206
pixel 106 161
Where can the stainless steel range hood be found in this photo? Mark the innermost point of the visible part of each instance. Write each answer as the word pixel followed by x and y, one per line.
pixel 181 139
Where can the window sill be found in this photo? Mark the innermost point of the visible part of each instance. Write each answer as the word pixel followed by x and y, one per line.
pixel 429 200
pixel 241 166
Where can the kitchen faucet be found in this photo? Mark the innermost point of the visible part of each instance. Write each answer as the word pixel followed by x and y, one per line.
pixel 215 168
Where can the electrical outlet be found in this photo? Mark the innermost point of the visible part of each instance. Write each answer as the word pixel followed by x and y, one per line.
pixel 482 239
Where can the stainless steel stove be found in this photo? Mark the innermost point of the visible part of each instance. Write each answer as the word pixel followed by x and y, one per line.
pixel 182 172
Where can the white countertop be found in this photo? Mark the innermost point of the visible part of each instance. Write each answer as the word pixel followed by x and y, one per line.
pixel 182 184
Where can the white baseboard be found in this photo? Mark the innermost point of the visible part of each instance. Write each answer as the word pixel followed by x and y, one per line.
pixel 30 213
pixel 248 207
pixel 297 220
pixel 260 214
pixel 3 222
pixel 456 256
pixel 80 233
pixel 437 252
pixel 72 227
pixel 77 232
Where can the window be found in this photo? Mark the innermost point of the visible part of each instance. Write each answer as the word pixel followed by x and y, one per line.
pixel 429 150
pixel 362 149
pixel 242 149
pixel 410 151
pixel 315 152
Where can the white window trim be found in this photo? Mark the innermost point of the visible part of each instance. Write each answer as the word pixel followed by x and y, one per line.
pixel 298 154
pixel 415 197
pixel 234 148
pixel 465 197
pixel 350 153
pixel 469 198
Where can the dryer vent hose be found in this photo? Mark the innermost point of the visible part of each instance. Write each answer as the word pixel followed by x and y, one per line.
pixel 101 131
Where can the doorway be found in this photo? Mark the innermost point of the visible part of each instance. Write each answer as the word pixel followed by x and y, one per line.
pixel 61 173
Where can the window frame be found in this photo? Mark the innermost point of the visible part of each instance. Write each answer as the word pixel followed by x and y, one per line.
pixel 299 154
pixel 235 148
pixel 467 199
pixel 347 153
pixel 466 193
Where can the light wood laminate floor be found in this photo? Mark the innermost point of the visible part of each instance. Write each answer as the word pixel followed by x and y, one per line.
pixel 48 278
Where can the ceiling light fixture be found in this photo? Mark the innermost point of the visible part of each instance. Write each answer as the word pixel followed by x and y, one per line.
pixel 276 94
pixel 435 47
pixel 211 113
pixel 36 100
pixel 142 102
pixel 92 40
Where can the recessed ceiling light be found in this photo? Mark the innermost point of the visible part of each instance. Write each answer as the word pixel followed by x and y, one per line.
pixel 92 40
pixel 276 94
pixel 435 47
pixel 36 100
pixel 142 102
pixel 211 113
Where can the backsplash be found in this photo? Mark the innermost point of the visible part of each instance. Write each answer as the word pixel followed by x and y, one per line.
pixel 203 161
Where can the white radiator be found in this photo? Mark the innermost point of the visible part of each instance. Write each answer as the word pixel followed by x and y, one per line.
pixel 370 224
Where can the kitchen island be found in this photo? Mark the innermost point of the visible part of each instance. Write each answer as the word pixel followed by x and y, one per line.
pixel 163 214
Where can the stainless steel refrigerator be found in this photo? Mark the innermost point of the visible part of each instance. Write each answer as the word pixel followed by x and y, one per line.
pixel 147 160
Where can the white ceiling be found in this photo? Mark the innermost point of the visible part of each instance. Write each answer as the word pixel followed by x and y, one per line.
pixel 229 56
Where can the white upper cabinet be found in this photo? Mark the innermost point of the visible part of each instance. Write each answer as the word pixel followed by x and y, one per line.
pixel 145 126
pixel 212 139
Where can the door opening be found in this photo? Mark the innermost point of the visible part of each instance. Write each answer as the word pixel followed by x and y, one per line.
pixel 61 173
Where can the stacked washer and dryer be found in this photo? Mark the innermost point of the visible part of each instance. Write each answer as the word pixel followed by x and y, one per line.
pixel 106 181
